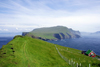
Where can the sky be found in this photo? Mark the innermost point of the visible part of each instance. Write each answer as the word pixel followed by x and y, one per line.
pixel 26 15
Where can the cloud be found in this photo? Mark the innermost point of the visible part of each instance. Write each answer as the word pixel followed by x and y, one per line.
pixel 28 14
pixel 0 29
pixel 5 29
pixel 16 28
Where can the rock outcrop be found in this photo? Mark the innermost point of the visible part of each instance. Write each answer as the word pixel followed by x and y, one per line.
pixel 24 33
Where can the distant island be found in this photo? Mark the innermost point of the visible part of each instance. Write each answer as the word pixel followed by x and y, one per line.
pixel 98 32
pixel 53 33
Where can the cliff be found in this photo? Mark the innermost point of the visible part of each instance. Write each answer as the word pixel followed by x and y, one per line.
pixel 53 33
pixel 24 33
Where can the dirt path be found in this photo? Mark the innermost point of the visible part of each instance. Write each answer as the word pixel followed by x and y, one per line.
pixel 26 55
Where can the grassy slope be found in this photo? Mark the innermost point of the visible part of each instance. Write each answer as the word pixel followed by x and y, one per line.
pixel 49 32
pixel 30 53
pixel 37 53
pixel 77 57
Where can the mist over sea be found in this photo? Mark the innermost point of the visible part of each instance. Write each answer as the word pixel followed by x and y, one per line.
pixel 91 42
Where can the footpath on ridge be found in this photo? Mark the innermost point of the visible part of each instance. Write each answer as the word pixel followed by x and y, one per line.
pixel 26 54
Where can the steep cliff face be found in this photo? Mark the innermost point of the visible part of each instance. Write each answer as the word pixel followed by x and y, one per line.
pixel 52 33
pixel 24 33
pixel 63 36
pixel 57 36
pixel 76 33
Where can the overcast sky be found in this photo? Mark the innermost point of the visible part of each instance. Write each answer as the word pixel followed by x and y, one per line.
pixel 25 15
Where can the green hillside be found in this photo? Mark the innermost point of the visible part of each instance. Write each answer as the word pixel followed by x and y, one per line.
pixel 24 51
pixel 48 32
pixel 30 52
pixel 55 29
pixel 76 56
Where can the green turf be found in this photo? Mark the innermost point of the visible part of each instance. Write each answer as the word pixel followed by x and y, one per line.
pixel 31 52
pixel 77 57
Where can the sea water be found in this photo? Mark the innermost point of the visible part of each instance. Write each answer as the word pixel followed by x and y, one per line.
pixel 83 43
pixel 4 40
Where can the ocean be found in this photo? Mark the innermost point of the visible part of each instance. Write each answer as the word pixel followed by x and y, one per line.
pixel 4 40
pixel 84 43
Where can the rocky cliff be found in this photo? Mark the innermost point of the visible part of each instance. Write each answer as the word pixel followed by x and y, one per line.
pixel 24 33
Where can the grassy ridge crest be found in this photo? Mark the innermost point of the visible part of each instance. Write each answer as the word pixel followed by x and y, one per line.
pixel 24 51
pixel 30 52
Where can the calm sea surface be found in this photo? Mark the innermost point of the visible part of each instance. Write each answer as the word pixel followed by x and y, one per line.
pixel 4 40
pixel 83 43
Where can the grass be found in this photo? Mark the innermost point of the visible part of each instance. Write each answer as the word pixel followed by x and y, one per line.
pixel 31 52
pixel 49 32
pixel 77 57
pixel 44 35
